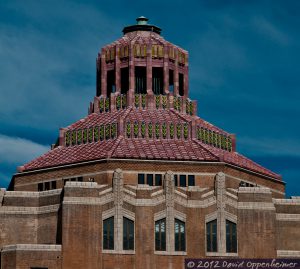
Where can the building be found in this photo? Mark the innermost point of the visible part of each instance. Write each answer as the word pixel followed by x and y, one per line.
pixel 142 181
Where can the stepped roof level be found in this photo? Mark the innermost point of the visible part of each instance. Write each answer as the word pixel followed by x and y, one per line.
pixel 142 111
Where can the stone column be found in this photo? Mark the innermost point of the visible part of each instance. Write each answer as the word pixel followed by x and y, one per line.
pixel 220 191
pixel 118 203
pixel 169 193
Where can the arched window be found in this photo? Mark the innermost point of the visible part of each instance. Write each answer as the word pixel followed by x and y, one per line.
pixel 160 235
pixel 211 236
pixel 108 233
pixel 128 234
pixel 231 238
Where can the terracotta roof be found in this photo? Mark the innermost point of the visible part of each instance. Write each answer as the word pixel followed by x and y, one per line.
pixel 142 148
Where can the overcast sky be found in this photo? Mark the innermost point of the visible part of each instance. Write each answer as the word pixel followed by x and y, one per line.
pixel 244 71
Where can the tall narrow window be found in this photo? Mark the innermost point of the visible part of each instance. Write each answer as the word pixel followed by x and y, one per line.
pixel 160 235
pixel 141 178
pixel 171 80
pixel 158 180
pixel 211 236
pixel 231 238
pixel 191 180
pixel 111 85
pixel 40 187
pixel 150 179
pixel 140 80
pixel 157 80
pixel 53 185
pixel 128 234
pixel 182 179
pixel 176 180
pixel 124 80
pixel 181 84
pixel 108 233
pixel 179 235
pixel 47 186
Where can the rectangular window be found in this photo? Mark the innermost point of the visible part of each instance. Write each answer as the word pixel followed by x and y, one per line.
pixel 171 80
pixel 191 180
pixel 53 185
pixel 108 233
pixel 176 180
pixel 124 80
pixel 211 236
pixel 141 179
pixel 111 84
pixel 47 186
pixel 157 80
pixel 150 179
pixel 158 180
pixel 80 179
pixel 182 179
pixel 160 235
pixel 179 235
pixel 140 80
pixel 128 234
pixel 181 86
pixel 40 187
pixel 231 238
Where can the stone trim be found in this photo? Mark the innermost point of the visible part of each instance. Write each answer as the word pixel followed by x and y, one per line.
pixel 32 194
pixel 88 200
pixel 288 253
pixel 31 247
pixel 29 210
pixel 219 254
pixel 70 184
pixel 287 217
pixel 254 190
pixel 292 201
pixel 256 206
pixel 209 193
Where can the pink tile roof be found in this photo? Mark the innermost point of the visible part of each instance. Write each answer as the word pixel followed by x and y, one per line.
pixel 142 148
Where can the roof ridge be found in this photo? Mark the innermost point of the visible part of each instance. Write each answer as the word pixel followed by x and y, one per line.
pixel 204 147
pixel 114 147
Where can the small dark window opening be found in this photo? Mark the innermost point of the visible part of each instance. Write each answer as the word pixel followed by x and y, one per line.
pixel 128 234
pixel 47 186
pixel 53 185
pixel 140 80
pixel 108 233
pixel 171 80
pixel 150 179
pixel 182 179
pixel 176 180
pixel 158 180
pixel 141 179
pixel 231 238
pixel 98 79
pixel 124 80
pixel 191 180
pixel 40 187
pixel 80 179
pixel 211 236
pixel 160 235
pixel 181 84
pixel 179 235
pixel 111 84
pixel 158 80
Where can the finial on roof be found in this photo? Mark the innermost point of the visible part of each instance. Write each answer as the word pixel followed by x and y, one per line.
pixel 142 20
pixel 142 25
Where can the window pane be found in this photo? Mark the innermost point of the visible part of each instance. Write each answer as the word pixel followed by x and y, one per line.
pixel 158 180
pixel 108 233
pixel 182 180
pixel 176 180
pixel 160 235
pixel 231 238
pixel 128 234
pixel 150 179
pixel 141 179
pixel 211 236
pixel 40 187
pixel 191 180
pixel 179 235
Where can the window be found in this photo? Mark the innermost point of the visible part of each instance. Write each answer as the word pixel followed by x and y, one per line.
pixel 160 235
pixel 53 185
pixel 181 87
pixel 141 179
pixel 176 180
pixel 179 235
pixel 171 80
pixel 46 186
pixel 158 180
pixel 157 80
pixel 211 236
pixel 231 238
pixel 128 234
pixel 108 233
pixel 150 179
pixel 111 84
pixel 140 80
pixel 124 80
pixel 182 179
pixel 191 180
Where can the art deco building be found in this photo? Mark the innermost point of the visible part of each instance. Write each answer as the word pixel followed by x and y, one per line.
pixel 142 181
